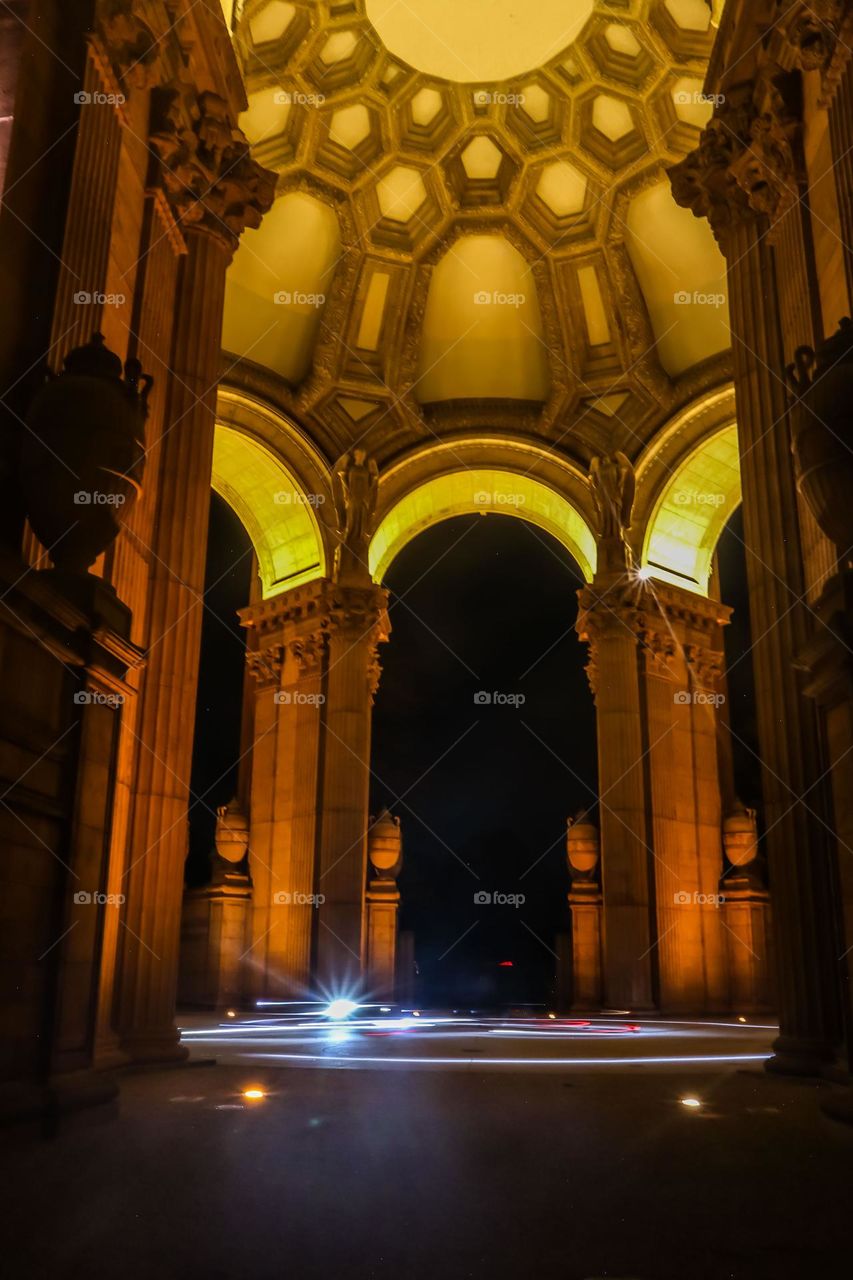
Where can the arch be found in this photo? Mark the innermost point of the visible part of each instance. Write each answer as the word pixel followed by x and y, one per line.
pixel 691 511
pixel 483 490
pixel 482 327
pixel 276 511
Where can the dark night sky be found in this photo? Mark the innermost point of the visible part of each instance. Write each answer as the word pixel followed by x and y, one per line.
pixel 477 603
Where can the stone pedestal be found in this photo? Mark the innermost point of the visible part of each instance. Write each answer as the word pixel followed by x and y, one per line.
pixel 383 908
pixel 214 943
pixel 585 905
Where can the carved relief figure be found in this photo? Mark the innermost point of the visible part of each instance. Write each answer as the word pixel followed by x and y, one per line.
pixel 613 485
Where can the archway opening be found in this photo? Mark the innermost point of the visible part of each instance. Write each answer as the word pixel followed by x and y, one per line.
pixel 217 754
pixel 483 743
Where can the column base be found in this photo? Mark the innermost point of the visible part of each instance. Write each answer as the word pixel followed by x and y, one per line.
pixel 793 1057
pixel 155 1047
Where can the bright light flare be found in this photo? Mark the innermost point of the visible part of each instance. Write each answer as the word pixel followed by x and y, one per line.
pixel 253 1094
pixel 693 1103
pixel 339 1009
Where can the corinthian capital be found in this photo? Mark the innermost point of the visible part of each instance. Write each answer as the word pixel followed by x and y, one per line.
pixel 129 43
pixel 204 166
pixel 704 181
pixel 819 35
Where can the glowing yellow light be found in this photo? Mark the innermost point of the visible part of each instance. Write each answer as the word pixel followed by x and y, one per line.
pixel 552 1015
pixel 253 1095
pixel 231 1013
pixel 277 516
pixel 691 1102
pixel 692 511
pixel 741 1018
pixel 477 491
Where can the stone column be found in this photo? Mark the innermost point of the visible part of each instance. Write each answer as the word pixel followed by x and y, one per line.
pixel 797 846
pixel 358 623
pixel 287 661
pixel 607 620
pixel 199 154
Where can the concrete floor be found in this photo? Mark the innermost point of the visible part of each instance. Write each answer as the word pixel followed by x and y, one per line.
pixel 445 1171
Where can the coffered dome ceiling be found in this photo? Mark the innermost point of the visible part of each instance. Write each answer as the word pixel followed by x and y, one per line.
pixel 473 224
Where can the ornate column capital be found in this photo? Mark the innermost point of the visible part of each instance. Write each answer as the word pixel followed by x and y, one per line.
pixel 706 181
pixel 818 35
pixel 203 165
pixel 266 664
pixel 128 44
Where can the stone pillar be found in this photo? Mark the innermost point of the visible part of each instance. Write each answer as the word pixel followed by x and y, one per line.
pixel 800 869
pixel 582 848
pixel 287 660
pixel 682 661
pixel 315 662
pixel 199 153
pixel 358 622
pixel 385 852
pixel 607 620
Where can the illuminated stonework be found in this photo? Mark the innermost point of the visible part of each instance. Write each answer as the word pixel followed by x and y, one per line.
pixel 555 152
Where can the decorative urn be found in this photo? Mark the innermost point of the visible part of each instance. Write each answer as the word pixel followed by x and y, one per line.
pixel 822 430
pixel 740 835
pixel 232 832
pixel 582 848
pixel 84 454
pixel 385 846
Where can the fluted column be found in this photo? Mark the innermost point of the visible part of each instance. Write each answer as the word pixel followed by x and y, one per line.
pixel 358 624
pixel 607 620
pixel 158 843
pixel 288 665
pixel 797 847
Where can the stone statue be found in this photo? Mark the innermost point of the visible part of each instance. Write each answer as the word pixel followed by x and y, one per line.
pixel 613 485
pixel 356 487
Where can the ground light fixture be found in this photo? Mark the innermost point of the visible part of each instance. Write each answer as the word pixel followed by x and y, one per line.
pixel 692 1103
pixel 254 1094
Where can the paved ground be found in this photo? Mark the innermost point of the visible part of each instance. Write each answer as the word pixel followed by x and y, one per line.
pixel 443 1170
